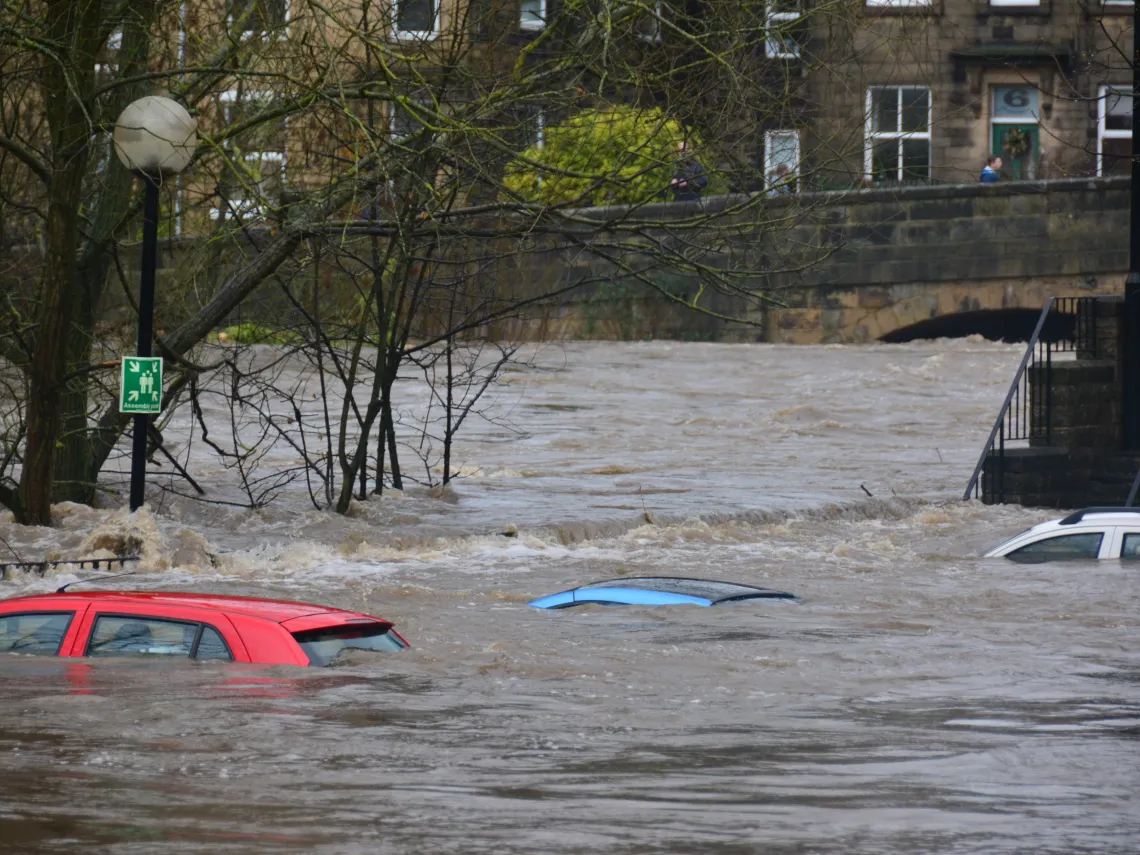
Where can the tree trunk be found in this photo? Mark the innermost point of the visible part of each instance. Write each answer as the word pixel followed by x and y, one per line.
pixel 67 77
pixel 74 455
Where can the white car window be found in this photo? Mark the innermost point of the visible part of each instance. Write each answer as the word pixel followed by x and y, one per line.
pixel 1065 547
pixel 1130 548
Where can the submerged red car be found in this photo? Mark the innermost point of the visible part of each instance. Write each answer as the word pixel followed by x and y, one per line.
pixel 187 626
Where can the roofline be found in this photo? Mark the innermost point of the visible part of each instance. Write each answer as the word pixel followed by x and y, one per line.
pixel 236 600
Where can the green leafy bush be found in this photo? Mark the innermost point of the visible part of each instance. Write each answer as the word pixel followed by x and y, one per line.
pixel 253 333
pixel 610 156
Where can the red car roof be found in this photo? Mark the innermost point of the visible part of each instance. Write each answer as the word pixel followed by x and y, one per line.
pixel 274 610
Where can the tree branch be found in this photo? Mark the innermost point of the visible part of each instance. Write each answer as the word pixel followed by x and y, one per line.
pixel 27 158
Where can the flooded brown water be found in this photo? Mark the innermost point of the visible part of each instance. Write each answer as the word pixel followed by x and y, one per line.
pixel 919 699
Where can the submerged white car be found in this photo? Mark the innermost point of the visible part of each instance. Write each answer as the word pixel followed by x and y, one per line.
pixel 1091 533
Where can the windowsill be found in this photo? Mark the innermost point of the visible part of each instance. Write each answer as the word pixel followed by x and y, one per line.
pixel 531 27
pixel 911 9
pixel 987 8
pixel 401 36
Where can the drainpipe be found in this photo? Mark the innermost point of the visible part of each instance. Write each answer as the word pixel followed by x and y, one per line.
pixel 1130 383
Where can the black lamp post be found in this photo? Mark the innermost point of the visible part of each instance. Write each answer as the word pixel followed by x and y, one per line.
pixel 155 139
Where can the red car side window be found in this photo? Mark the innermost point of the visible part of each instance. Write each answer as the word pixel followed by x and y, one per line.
pixel 142 635
pixel 37 633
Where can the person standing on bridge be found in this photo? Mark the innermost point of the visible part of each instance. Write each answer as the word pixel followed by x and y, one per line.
pixel 990 171
pixel 689 178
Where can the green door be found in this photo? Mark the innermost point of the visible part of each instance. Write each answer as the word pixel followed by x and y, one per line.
pixel 1019 147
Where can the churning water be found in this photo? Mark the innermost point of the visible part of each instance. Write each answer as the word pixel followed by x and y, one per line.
pixel 919 700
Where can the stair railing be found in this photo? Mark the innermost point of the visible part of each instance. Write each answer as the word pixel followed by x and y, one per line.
pixel 1011 411
pixel 1030 417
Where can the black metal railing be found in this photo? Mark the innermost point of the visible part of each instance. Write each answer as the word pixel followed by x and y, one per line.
pixel 1132 493
pixel 9 568
pixel 1065 325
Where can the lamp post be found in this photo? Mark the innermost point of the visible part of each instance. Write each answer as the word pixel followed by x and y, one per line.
pixel 155 139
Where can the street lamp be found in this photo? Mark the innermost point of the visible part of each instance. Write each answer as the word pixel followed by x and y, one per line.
pixel 155 139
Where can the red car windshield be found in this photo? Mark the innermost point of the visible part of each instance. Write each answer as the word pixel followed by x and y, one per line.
pixel 323 645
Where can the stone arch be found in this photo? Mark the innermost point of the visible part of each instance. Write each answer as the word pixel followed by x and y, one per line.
pixel 912 309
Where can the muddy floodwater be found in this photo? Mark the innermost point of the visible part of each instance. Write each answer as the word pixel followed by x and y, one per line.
pixel 919 699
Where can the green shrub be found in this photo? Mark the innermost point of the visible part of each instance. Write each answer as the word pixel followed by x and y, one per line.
pixel 253 333
pixel 614 155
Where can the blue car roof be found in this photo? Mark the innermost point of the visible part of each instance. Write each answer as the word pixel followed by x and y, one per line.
pixel 658 591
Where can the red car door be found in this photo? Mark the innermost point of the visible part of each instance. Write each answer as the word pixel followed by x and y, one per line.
pixel 106 622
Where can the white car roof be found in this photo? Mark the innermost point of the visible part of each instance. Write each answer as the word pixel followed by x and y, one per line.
pixel 1087 520
pixel 1094 516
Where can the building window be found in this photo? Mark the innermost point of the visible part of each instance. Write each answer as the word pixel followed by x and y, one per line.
pixel 255 175
pixel 783 34
pixel 258 17
pixel 532 14
pixel 416 19
pixel 532 129
pixel 1114 131
pixel 781 162
pixel 898 133
pixel 403 122
pixel 649 24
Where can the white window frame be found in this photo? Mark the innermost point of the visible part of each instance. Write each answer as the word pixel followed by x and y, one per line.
pixel 655 35
pixel 770 165
pixel 1103 133
pixel 416 35
pixel 247 33
pixel 1015 2
pixel 871 136
pixel 394 109
pixel 179 202
pixel 898 4
pixel 182 33
pixel 530 24
pixel 540 128
pixel 775 48
pixel 246 205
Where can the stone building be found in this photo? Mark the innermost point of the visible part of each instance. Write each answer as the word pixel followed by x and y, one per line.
pixel 864 92
pixel 939 85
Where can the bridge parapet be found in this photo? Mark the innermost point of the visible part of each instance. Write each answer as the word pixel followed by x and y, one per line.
pixel 905 257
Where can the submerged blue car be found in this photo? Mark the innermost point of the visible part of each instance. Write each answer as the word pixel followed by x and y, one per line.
pixel 658 591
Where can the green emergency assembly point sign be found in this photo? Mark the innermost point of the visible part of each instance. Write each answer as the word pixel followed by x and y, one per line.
pixel 140 387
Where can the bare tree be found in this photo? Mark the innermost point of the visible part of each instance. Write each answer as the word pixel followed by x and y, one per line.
pixel 349 196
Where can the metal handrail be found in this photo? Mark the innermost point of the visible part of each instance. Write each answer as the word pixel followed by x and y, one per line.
pixel 1132 492
pixel 1000 421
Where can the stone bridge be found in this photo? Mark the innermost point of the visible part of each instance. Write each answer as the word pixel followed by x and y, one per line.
pixel 929 261
pixel 909 262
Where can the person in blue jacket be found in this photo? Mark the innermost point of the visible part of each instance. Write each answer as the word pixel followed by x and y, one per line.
pixel 990 172
pixel 689 179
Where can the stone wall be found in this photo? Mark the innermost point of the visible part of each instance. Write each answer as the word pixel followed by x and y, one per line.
pixel 905 257
pixel 868 264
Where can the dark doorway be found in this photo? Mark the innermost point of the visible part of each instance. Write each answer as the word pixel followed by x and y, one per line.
pixel 1007 325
